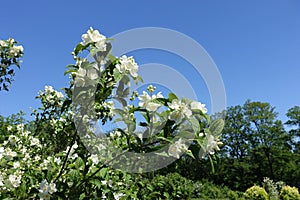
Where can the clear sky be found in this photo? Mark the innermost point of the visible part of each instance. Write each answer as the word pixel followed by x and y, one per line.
pixel 254 43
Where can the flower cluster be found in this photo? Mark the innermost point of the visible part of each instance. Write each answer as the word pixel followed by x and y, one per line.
pixel 10 54
pixel 178 148
pixel 51 96
pixel 127 65
pixel 20 150
pixel 94 37
pixel 212 144
pixel 46 190
pixel 87 74
pixel 12 50
pixel 146 101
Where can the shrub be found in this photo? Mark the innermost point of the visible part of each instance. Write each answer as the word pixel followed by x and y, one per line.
pixel 272 188
pixel 256 192
pixel 289 193
pixel 171 186
pixel 208 190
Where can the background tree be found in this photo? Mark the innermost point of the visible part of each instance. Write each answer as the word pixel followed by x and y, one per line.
pixel 256 145
pixel 294 122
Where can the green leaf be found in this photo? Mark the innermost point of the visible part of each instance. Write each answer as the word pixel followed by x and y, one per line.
pixel 70 71
pixel 143 124
pixel 79 48
pixel 120 88
pixel 96 182
pixel 164 139
pixel 79 162
pixel 161 101
pixel 126 92
pixel 166 194
pixel 216 127
pixel 189 153
pixel 172 96
pixel 195 124
pixel 74 175
pixel 211 164
pixel 118 76
pixel 121 100
pixel 103 172
pixel 82 196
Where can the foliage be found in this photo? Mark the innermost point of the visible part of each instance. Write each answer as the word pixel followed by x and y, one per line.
pixel 171 186
pixel 289 193
pixel 272 188
pixel 256 145
pixel 256 192
pixel 294 123
pixel 50 157
pixel 207 190
pixel 10 54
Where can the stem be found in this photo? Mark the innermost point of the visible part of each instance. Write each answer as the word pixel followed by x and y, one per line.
pixel 66 158
pixel 93 174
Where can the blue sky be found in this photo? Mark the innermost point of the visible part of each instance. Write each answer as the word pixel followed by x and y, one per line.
pixel 255 44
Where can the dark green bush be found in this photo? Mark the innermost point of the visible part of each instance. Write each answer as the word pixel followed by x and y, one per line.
pixel 171 186
pixel 208 190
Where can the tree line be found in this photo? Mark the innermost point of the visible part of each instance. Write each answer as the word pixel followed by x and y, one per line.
pixel 256 144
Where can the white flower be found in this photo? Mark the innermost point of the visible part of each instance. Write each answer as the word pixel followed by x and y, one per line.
pixel 52 188
pixel 111 106
pixel 25 133
pixel 27 157
pixel 79 82
pixel 46 163
pixel 94 158
pixel 96 37
pixel 81 72
pixel 34 142
pixel 115 133
pixel 20 127
pixel 145 101
pixel 92 74
pixel 2 151
pixel 195 105
pixel 16 164
pixel 180 111
pixel 109 183
pixel 13 139
pixel 57 160
pixel 176 149
pixel 48 89
pixel 86 77
pixel 23 150
pixel 3 43
pixel 1 181
pixel 9 128
pixel 37 158
pixel 59 95
pixel 14 180
pixel 10 154
pixel 46 189
pixel 117 196
pixel 212 144
pixel 72 154
pixel 11 40
pixel 16 50
pixel 128 64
